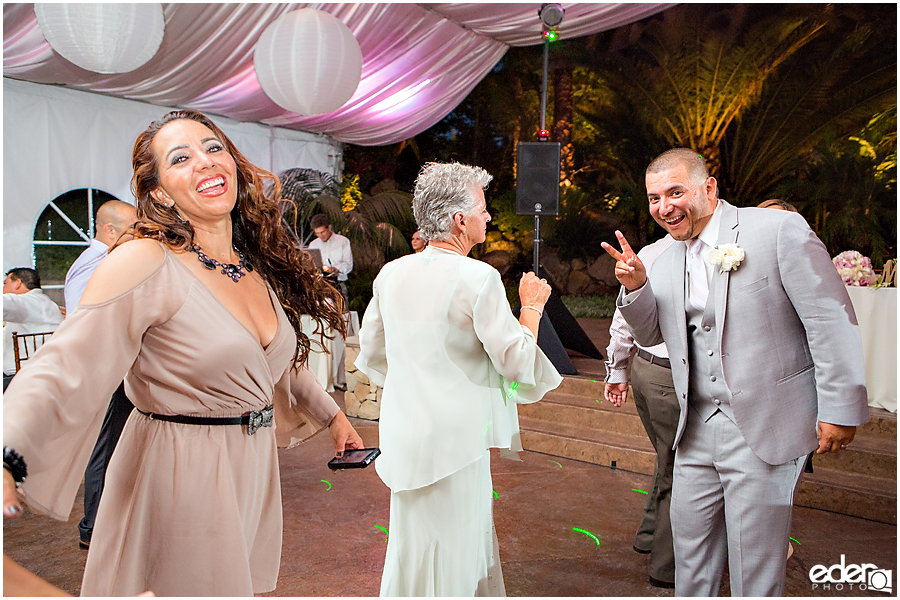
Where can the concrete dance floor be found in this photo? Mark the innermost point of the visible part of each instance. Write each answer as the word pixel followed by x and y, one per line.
pixel 334 535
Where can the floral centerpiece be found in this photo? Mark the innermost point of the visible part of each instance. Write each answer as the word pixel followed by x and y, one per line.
pixel 855 269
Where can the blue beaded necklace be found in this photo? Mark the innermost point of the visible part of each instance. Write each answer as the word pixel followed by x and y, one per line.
pixel 228 269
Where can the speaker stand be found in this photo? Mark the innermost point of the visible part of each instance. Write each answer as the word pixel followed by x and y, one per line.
pixel 550 343
pixel 558 331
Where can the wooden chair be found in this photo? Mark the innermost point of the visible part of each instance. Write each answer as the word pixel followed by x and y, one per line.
pixel 889 273
pixel 30 343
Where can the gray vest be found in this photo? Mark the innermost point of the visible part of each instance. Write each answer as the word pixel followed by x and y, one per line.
pixel 707 392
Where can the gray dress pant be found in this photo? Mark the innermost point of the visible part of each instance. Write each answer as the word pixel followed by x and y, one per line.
pixel 725 500
pixel 657 405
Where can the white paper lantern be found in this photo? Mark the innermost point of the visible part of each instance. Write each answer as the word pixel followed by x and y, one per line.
pixel 308 62
pixel 104 38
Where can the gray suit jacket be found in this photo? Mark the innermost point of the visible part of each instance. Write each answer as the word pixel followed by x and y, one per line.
pixel 787 334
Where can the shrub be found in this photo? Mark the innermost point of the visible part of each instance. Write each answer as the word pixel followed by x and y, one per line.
pixel 594 307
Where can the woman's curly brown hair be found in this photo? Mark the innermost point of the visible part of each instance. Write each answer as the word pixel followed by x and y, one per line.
pixel 258 230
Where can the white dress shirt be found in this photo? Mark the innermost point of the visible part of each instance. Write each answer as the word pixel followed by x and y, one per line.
pixel 32 312
pixel 335 253
pixel 621 344
pixel 80 272
pixel 710 237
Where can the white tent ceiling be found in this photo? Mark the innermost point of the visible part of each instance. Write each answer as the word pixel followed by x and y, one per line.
pixel 419 60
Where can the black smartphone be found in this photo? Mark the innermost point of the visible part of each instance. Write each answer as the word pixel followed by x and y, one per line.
pixel 354 459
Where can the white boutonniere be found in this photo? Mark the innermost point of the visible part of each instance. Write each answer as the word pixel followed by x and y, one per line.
pixel 727 256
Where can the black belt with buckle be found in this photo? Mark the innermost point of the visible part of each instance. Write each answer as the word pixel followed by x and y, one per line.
pixel 653 359
pixel 254 420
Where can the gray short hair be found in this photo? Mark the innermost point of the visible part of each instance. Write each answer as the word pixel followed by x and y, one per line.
pixel 442 190
pixel 696 166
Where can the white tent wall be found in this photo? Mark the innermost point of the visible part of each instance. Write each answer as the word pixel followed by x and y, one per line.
pixel 56 140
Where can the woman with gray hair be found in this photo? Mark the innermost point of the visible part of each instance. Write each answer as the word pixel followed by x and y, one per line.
pixel 459 361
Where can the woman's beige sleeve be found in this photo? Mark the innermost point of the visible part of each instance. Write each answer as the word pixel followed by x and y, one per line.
pixel 54 406
pixel 302 407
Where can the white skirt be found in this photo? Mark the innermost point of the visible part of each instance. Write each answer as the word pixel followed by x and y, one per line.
pixel 441 538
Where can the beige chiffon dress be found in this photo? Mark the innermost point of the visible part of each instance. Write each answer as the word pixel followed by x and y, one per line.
pixel 187 510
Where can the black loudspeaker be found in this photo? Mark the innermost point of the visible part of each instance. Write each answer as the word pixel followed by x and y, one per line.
pixel 537 178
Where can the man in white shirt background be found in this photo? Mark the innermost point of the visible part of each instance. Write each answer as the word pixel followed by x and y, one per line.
pixel 113 219
pixel 25 310
pixel 337 260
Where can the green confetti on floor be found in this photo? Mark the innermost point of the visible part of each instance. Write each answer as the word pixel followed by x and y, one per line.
pixel 588 533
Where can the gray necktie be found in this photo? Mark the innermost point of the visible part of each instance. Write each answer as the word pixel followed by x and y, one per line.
pixel 699 284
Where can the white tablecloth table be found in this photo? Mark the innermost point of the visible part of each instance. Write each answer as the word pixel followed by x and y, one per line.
pixel 322 363
pixel 876 311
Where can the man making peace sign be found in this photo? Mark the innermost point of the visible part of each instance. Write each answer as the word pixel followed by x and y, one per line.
pixel 767 363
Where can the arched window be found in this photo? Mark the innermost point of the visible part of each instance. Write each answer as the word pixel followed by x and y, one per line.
pixel 62 232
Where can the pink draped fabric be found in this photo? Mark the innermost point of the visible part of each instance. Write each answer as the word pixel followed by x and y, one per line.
pixel 419 60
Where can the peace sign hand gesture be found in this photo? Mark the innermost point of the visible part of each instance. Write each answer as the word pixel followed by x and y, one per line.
pixel 630 270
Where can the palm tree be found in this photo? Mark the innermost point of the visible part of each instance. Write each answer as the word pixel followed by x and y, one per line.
pixel 696 70
pixel 830 89
pixel 302 187
pixel 373 226
pixel 817 76
pixel 848 190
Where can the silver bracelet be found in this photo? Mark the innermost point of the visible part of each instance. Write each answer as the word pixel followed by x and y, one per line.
pixel 537 310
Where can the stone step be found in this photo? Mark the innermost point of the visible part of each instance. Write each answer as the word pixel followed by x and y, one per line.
pixel 606 448
pixel 882 424
pixel 834 490
pixel 594 413
pixel 576 397
pixel 575 421
pixel 873 456
pixel 870 453
pixel 858 495
pixel 582 386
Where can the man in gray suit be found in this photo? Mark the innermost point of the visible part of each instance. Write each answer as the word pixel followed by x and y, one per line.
pixel 767 363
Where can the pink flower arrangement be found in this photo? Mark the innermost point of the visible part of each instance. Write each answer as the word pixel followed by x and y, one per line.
pixel 855 269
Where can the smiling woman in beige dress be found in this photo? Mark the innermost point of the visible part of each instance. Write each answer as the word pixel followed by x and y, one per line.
pixel 201 315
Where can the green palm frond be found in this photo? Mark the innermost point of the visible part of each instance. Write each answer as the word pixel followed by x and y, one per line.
pixel 391 206
pixel 392 240
pixel 826 91
pixel 301 185
pixel 697 71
